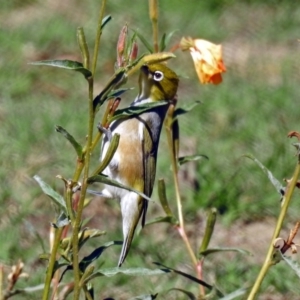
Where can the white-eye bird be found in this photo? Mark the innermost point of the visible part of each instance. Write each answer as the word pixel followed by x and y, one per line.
pixel 134 162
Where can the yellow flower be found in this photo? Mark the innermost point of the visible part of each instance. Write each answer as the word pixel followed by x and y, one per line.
pixel 207 58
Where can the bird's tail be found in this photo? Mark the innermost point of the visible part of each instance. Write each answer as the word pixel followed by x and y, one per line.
pixel 132 208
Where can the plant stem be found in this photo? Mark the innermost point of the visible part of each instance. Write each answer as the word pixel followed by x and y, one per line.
pixel 153 11
pixel 181 228
pixel 76 226
pixel 268 261
pixel 49 273
pixel 98 35
pixel 85 164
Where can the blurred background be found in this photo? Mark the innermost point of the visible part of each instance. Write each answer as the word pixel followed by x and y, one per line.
pixel 251 112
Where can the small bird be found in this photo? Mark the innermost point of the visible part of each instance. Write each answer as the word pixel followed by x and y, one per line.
pixel 134 162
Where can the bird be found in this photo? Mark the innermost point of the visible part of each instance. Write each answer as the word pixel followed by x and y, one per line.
pixel 134 162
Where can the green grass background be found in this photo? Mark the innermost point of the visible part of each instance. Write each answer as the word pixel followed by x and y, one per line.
pixel 250 112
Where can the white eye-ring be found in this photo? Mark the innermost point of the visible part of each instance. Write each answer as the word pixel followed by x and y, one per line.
pixel 158 76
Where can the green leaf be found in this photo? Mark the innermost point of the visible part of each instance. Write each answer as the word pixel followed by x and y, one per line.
pixel 235 294
pixel 294 265
pixel 162 44
pixel 64 64
pixel 118 92
pixel 209 229
pixel 104 179
pixel 84 236
pixel 144 41
pixel 47 189
pixel 87 260
pixel 163 197
pixel 184 159
pixel 276 183
pixel 192 278
pixel 224 249
pixel 71 139
pixel 180 111
pixel 112 148
pixel 129 272
pixel 135 110
pixel 169 36
pixel 30 289
pixel 87 234
pixel 105 20
pixel 144 297
pixel 113 82
pixel 165 40
pixel 165 219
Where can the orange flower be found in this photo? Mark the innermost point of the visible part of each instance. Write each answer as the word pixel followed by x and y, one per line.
pixel 207 58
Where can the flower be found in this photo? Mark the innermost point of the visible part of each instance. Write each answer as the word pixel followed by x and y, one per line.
pixel 207 58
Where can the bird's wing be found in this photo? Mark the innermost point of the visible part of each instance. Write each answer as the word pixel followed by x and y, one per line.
pixel 149 161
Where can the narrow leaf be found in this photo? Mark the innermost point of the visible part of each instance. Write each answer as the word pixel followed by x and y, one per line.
pixel 105 20
pixel 163 197
pixel 112 148
pixel 162 45
pixel 113 82
pixel 209 229
pixel 71 139
pixel 169 36
pixel 30 289
pixel 144 41
pixel 118 92
pixel 129 272
pixel 87 234
pixel 136 110
pixel 224 249
pixel 235 294
pixel 64 64
pixel 157 57
pixel 165 219
pixel 183 110
pixel 104 179
pixel 276 183
pixel 192 278
pixel 294 265
pixel 148 59
pixel 184 159
pixel 47 189
pixel 87 260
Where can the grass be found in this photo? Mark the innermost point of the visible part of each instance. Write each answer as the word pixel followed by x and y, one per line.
pixel 251 112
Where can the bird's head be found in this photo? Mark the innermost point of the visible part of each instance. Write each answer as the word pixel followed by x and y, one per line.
pixel 157 82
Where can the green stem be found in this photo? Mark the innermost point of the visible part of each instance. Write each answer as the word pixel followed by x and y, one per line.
pixel 268 261
pixel 153 11
pixel 181 228
pixel 52 260
pixel 76 227
pixel 98 35
pixel 69 199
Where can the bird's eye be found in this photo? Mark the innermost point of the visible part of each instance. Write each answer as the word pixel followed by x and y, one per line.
pixel 158 76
